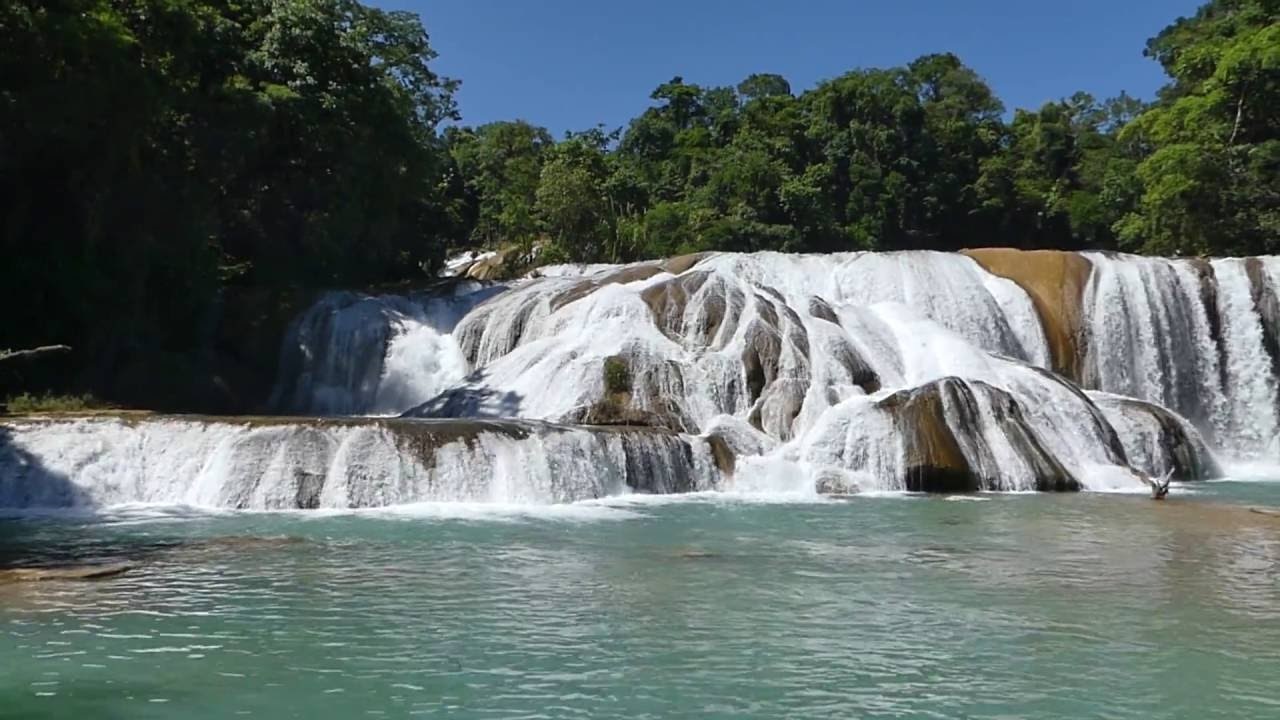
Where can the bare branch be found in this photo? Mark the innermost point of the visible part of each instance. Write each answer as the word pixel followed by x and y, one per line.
pixel 1239 116
pixel 42 350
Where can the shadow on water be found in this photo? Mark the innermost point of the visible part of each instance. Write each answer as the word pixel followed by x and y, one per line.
pixel 473 399
pixel 29 492
pixel 26 483
pixel 87 699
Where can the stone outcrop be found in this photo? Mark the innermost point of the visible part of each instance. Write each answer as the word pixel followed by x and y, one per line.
pixel 1055 280
pixel 717 306
pixel 63 573
pixel 1158 442
pixel 943 444
pixel 627 274
pixel 1268 307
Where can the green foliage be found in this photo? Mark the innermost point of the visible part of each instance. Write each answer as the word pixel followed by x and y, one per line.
pixel 617 375
pixel 921 157
pixel 500 164
pixel 46 403
pixel 1211 183
pixel 155 154
pixel 154 151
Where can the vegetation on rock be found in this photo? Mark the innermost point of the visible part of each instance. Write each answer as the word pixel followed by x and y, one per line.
pixel 617 376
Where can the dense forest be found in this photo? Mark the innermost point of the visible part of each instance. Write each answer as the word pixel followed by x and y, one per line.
pixel 163 160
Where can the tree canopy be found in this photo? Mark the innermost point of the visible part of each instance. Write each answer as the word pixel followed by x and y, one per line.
pixel 157 156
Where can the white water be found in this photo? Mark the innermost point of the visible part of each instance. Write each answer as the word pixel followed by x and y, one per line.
pixel 1150 336
pixel 913 318
pixel 793 361
pixel 248 465
pixel 1250 421
pixel 374 355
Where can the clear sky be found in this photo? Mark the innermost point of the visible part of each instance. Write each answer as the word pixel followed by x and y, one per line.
pixel 570 64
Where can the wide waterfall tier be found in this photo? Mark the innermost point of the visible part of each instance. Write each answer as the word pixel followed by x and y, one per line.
pixel 910 371
pixel 886 371
pixel 275 463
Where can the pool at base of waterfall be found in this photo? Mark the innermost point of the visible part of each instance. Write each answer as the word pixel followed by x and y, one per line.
pixel 972 606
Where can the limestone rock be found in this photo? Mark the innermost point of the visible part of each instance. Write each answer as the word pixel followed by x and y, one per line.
pixel 1055 280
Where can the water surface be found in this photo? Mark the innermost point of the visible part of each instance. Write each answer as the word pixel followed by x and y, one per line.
pixel 992 606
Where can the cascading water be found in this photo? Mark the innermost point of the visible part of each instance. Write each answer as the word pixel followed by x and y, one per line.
pixel 280 464
pixel 1187 335
pixel 1149 336
pixel 758 373
pixel 1250 418
pixel 355 354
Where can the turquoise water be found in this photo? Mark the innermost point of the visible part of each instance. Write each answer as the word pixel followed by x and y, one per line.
pixel 1028 606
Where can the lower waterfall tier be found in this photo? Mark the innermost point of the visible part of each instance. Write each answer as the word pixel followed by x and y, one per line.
pixel 277 464
pixel 947 436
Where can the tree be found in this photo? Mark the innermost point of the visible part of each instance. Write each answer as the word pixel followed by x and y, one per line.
pixel 572 202
pixel 1212 180
pixel 759 86
pixel 154 153
pixel 501 164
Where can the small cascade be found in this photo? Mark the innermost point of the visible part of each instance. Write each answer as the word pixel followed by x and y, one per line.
pixel 952 290
pixel 273 464
pixel 352 354
pixel 1188 335
pixel 1249 421
pixel 1149 336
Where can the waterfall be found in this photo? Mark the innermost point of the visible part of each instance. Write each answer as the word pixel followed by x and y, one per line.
pixel 1250 418
pixel 773 373
pixel 1149 336
pixel 1157 441
pixel 266 464
pixel 1187 335
pixel 352 354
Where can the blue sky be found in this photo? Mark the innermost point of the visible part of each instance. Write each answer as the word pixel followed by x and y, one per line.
pixel 570 64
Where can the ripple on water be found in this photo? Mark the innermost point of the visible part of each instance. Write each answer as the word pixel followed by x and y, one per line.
pixel 1030 607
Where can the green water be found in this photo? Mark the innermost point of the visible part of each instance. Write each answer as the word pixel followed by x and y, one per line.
pixel 1005 607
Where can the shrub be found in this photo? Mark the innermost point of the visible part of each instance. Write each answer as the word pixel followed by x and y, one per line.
pixel 48 402
pixel 617 376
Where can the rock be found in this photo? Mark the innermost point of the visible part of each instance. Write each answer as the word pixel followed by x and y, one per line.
pixel 628 274
pixel 67 573
pixel 717 306
pixel 1209 301
pixel 680 264
pixel 833 483
pixel 1268 306
pixel 934 461
pixel 1055 280
pixel 694 554
pixel 945 450
pixel 724 456
pixel 1156 440
pixel 641 399
pixel 489 267
pixel 821 310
